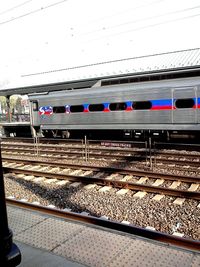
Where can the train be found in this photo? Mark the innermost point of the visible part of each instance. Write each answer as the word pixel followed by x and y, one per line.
pixel 139 109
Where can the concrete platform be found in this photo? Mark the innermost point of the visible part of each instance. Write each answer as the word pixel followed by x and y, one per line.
pixel 50 241
pixel 34 257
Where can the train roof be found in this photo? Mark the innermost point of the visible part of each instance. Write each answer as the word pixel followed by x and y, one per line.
pixel 174 64
pixel 173 83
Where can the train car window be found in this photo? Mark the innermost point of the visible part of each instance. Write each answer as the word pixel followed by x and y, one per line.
pixel 185 103
pixel 35 106
pixel 77 108
pixel 142 105
pixel 60 109
pixel 117 106
pixel 96 107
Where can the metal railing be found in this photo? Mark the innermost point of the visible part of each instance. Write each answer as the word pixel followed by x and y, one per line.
pixel 15 118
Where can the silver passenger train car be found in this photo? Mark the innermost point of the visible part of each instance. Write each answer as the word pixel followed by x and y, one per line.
pixel 165 106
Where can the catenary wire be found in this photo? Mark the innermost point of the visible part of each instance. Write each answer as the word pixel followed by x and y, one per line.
pixel 14 7
pixel 32 12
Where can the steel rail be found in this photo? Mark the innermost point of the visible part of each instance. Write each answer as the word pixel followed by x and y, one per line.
pixel 64 151
pixel 121 158
pixel 142 150
pixel 135 156
pixel 185 243
pixel 102 181
pixel 125 171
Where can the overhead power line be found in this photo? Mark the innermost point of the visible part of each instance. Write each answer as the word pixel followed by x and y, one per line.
pixel 32 12
pixel 142 27
pixel 142 20
pixel 14 7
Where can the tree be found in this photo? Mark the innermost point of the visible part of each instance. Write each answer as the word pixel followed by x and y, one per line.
pixel 3 104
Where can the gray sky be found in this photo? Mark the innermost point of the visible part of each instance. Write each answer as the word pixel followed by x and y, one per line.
pixel 44 35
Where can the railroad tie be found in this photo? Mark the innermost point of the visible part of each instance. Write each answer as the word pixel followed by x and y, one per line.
pixel 42 169
pixel 89 186
pixel 105 188
pixel 110 177
pixel 122 191
pixel 56 170
pixel 142 180
pixel 179 201
pixel 65 171
pixel 104 217
pixel 84 213
pixel 11 197
pixel 99 174
pixel 39 179
pixel 171 165
pixel 25 167
pixel 19 165
pixel 157 197
pixel 86 173
pixel 50 181
pixel 158 182
pixel 51 206
pixel 21 175
pixel 150 228
pixel 33 168
pixel 7 164
pixel 67 209
pixel 174 185
pixel 63 182
pixel 126 178
pixel 28 177
pixel 36 203
pixel 186 166
pixel 23 200
pixel 125 222
pixel 178 234
pixel 75 184
pixel 140 194
pixel 75 172
pixel 193 187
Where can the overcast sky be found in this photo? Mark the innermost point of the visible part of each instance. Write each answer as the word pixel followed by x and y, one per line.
pixel 44 35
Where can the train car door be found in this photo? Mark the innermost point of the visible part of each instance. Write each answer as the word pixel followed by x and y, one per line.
pixel 34 117
pixel 184 105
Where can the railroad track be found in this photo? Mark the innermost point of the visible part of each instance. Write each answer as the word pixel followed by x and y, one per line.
pixel 168 167
pixel 140 181
pixel 122 227
pixel 177 160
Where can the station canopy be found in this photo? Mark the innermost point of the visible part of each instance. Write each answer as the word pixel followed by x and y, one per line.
pixel 88 75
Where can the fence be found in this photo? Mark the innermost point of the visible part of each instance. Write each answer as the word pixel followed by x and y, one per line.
pixel 14 117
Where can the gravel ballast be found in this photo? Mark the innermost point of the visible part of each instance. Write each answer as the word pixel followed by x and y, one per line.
pixel 163 215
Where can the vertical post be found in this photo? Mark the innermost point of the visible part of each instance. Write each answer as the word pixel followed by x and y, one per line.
pixel 146 150
pixel 82 148
pixel 150 157
pixel 8 106
pixel 85 148
pixel 9 252
pixel 36 145
pixel 154 152
pixel 88 150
